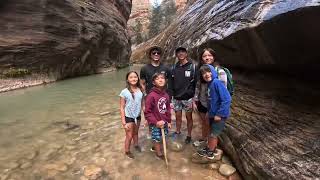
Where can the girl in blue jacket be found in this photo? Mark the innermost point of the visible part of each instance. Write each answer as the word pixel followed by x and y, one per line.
pixel 218 105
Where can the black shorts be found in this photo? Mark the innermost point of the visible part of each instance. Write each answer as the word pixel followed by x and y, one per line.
pixel 201 108
pixel 131 120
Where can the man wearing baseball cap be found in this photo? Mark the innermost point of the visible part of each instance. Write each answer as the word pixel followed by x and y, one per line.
pixel 155 66
pixel 182 85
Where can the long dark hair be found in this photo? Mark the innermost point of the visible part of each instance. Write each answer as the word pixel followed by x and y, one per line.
pixel 211 51
pixel 128 85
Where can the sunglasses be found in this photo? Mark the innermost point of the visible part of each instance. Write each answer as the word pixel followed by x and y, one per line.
pixel 156 53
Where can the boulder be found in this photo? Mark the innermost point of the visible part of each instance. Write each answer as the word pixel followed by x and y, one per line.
pixel 226 170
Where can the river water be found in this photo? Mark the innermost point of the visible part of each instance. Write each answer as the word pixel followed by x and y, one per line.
pixel 71 129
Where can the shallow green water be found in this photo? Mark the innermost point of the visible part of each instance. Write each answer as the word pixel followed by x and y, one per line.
pixel 57 131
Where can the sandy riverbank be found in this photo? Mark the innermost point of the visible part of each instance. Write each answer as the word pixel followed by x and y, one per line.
pixel 10 84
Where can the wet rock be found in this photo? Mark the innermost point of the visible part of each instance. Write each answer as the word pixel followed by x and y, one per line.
pixel 58 167
pixel 226 160
pixel 93 172
pixel 25 165
pixel 175 146
pixel 226 170
pixel 213 166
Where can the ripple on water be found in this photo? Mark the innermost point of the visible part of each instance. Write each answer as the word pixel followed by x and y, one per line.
pixel 41 146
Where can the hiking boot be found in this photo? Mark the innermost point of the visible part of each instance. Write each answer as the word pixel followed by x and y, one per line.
pixel 152 149
pixel 188 140
pixel 198 143
pixel 129 155
pixel 138 148
pixel 205 152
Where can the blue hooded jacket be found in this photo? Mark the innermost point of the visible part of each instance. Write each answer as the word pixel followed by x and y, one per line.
pixel 219 97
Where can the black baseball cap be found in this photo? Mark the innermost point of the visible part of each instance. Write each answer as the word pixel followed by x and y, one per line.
pixel 181 49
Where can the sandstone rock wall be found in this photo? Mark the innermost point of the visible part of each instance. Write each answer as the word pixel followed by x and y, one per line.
pixel 64 38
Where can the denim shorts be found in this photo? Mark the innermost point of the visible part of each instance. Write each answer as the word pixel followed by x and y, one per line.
pixel 216 127
pixel 179 105
pixel 156 132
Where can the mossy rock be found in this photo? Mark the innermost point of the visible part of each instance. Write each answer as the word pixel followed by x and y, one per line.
pixel 16 72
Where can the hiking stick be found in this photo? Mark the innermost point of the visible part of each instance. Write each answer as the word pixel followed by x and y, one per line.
pixel 164 146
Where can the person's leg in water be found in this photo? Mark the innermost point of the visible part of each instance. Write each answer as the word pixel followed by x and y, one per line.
pixel 129 136
pixel 178 121
pixel 177 106
pixel 189 126
pixel 156 137
pixel 136 136
pixel 187 107
pixel 216 129
pixel 204 126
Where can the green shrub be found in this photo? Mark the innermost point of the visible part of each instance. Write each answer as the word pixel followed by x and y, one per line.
pixel 14 73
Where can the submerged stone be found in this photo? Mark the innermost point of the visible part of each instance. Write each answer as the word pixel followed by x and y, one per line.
pixel 57 167
pixel 176 146
pixel 93 172
pixel 226 170
pixel 213 166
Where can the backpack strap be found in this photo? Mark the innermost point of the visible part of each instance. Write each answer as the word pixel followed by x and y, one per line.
pixel 172 69
pixel 194 71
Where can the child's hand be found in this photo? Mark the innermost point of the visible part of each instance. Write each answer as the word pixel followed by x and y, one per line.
pixel 171 106
pixel 145 124
pixel 125 126
pixel 195 107
pixel 169 125
pixel 160 124
pixel 217 118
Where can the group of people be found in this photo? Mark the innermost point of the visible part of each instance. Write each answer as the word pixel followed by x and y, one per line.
pixel 183 86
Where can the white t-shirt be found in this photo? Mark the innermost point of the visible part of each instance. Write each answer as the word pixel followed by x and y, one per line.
pixel 133 105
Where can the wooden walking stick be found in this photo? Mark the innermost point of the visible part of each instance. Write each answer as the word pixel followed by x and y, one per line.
pixel 164 146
